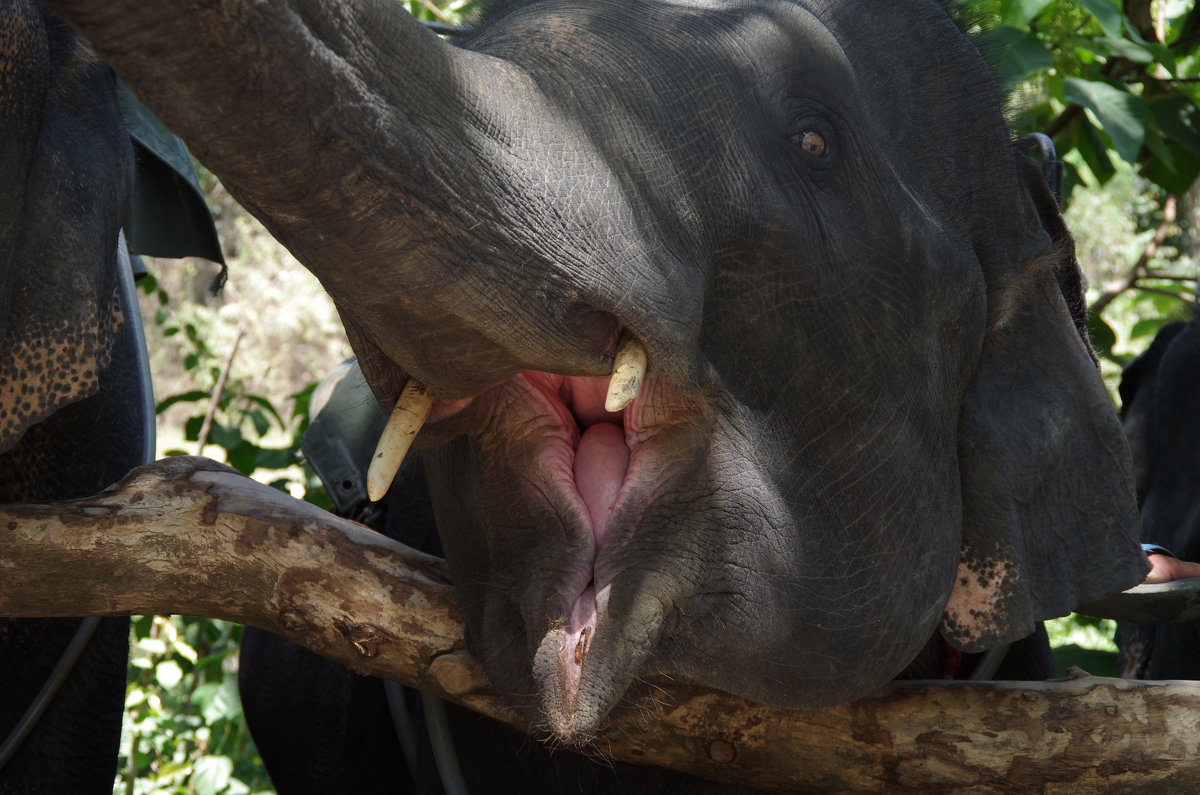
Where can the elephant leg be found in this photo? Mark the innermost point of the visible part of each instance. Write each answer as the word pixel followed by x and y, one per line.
pixel 319 726
pixel 1174 651
pixel 73 746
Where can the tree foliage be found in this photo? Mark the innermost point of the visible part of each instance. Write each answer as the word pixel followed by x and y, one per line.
pixel 1116 86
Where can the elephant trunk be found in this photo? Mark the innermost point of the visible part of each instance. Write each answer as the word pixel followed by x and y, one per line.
pixel 399 137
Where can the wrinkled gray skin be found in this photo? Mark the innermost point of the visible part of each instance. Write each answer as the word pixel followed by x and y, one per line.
pixel 873 415
pixel 68 423
pixel 1158 398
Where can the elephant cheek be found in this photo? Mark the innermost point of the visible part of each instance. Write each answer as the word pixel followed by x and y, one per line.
pixel 51 363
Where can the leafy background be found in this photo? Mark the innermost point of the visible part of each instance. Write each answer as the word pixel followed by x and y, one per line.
pixel 1116 86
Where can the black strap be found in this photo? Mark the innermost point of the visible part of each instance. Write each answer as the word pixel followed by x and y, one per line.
pixel 1052 167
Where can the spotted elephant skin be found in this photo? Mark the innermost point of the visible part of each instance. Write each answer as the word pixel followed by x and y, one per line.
pixel 68 426
pixel 872 420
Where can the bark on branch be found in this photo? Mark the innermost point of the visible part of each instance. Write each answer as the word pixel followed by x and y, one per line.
pixel 190 536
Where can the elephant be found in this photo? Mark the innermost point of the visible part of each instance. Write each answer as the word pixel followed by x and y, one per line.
pixel 76 408
pixel 1157 398
pixel 871 421
pixel 68 425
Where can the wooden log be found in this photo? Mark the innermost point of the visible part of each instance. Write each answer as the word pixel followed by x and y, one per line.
pixel 187 535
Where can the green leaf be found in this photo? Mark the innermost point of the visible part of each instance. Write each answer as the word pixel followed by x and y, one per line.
pixel 1183 32
pixel 210 774
pixel 1127 49
pixel 1122 115
pixel 219 700
pixel 185 397
pixel 267 405
pixel 1015 54
pixel 185 651
pixel 259 420
pixel 1021 12
pixel 1179 119
pixel 152 646
pixel 1147 327
pixel 1168 305
pixel 1174 143
pixel 168 673
pixel 274 458
pixel 1108 14
pixel 1174 169
pixel 1091 147
pixel 1159 52
pixel 229 438
pixel 242 457
pixel 281 484
pixel 1103 337
pixel 191 428
pixel 1159 148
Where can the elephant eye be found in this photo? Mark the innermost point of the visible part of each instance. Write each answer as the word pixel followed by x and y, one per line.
pixel 812 142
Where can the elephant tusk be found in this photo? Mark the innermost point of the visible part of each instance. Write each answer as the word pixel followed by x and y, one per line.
pixel 411 410
pixel 629 369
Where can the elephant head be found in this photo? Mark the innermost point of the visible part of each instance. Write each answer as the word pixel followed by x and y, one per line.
pixel 871 413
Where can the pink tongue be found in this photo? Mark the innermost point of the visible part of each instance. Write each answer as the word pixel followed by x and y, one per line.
pixel 600 463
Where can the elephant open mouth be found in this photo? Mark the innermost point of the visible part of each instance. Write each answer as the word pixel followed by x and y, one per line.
pixel 583 477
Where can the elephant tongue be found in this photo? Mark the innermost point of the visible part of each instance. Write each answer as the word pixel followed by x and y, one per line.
pixel 601 461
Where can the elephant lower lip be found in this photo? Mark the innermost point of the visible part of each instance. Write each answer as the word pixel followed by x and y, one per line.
pixel 599 442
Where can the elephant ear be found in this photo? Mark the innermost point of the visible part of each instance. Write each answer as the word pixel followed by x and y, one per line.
pixel 1049 513
pixel 66 171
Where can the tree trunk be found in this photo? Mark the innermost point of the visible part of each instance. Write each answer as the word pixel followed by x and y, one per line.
pixel 186 535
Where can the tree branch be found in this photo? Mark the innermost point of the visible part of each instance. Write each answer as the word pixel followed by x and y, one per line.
pixel 1139 269
pixel 1187 299
pixel 214 402
pixel 186 535
pixel 1170 277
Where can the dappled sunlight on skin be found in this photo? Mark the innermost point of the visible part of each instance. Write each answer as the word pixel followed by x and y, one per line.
pixel 1164 568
